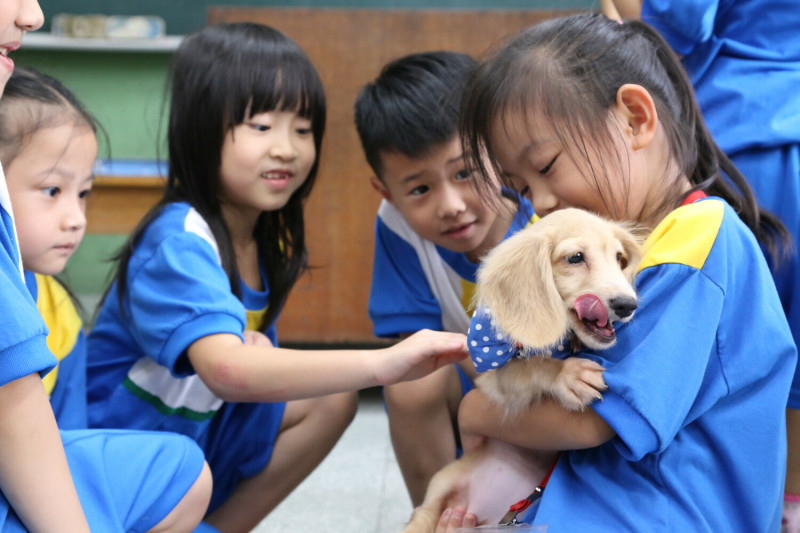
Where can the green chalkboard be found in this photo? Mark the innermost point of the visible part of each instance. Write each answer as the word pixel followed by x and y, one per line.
pixel 183 16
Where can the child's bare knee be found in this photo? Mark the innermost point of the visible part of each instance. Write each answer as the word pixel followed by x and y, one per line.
pixel 422 395
pixel 341 407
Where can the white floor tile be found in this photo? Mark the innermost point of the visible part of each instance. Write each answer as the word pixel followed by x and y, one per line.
pixel 358 488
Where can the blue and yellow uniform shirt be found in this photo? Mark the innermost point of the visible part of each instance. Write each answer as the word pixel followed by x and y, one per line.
pixel 23 348
pixel 698 383
pixel 66 383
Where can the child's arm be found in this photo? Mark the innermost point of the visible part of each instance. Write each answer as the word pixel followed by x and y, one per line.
pixel 34 475
pixel 245 373
pixel 625 9
pixel 544 426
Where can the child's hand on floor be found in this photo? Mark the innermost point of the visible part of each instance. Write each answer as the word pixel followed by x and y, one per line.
pixel 419 355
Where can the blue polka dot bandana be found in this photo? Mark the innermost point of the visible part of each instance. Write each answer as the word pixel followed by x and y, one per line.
pixel 489 346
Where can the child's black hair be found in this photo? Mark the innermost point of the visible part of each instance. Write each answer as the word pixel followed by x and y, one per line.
pixel 221 76
pixel 569 70
pixel 412 106
pixel 31 101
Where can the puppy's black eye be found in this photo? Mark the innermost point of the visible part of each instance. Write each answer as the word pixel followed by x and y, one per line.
pixel 622 260
pixel 575 258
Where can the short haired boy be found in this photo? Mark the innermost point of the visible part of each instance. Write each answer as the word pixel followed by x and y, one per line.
pixel 431 232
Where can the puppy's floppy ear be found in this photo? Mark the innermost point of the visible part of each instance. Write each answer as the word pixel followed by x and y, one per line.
pixel 632 237
pixel 516 282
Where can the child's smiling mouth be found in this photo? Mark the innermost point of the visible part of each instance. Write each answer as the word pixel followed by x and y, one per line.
pixel 278 174
pixel 459 231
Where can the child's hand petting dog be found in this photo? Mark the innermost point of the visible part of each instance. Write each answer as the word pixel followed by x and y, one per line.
pixel 418 355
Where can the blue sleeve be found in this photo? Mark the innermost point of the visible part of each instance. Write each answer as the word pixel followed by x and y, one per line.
pixel 656 370
pixel 69 394
pixel 684 24
pixel 401 300
pixel 23 334
pixel 177 296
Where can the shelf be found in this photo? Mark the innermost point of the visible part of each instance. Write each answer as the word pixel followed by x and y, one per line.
pixel 48 41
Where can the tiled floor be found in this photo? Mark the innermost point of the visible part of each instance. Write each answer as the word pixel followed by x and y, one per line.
pixel 358 488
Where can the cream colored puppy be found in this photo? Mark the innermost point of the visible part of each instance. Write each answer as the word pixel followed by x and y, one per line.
pixel 561 283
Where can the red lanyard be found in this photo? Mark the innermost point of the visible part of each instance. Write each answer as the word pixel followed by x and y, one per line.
pixel 510 517
pixel 693 197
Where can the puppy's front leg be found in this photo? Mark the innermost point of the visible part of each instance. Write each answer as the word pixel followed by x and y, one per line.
pixel 577 383
pixel 573 382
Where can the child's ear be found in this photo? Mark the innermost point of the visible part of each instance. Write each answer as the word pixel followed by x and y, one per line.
pixel 379 186
pixel 637 110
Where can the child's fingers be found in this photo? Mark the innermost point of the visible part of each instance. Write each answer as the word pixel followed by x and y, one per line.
pixel 453 518
pixel 470 520
pixel 449 358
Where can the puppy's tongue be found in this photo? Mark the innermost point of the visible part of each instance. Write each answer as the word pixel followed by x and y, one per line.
pixel 591 308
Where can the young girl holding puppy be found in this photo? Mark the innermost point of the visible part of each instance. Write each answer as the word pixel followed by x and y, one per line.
pixel 586 112
pixel 218 256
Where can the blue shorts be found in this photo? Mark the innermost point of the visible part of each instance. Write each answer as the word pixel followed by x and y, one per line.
pixel 774 174
pixel 126 480
pixel 240 444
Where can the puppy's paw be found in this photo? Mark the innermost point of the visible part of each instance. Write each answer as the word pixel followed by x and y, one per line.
pixel 579 383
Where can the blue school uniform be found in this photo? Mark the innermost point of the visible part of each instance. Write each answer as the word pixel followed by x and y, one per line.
pixel 125 482
pixel 698 381
pixel 139 376
pixel 744 61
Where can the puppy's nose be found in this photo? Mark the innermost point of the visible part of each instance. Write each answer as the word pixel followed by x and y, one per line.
pixel 623 306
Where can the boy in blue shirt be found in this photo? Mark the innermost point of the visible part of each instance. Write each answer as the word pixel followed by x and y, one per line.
pixel 432 230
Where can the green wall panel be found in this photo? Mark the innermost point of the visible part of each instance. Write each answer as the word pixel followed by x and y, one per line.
pixel 123 90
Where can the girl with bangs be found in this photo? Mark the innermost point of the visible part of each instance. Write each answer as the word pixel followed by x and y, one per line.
pixel 185 339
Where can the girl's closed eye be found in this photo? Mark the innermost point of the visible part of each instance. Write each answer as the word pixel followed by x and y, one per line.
pixel 548 167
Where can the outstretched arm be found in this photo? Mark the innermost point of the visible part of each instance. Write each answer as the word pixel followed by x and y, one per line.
pixel 544 426
pixel 34 475
pixel 247 373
